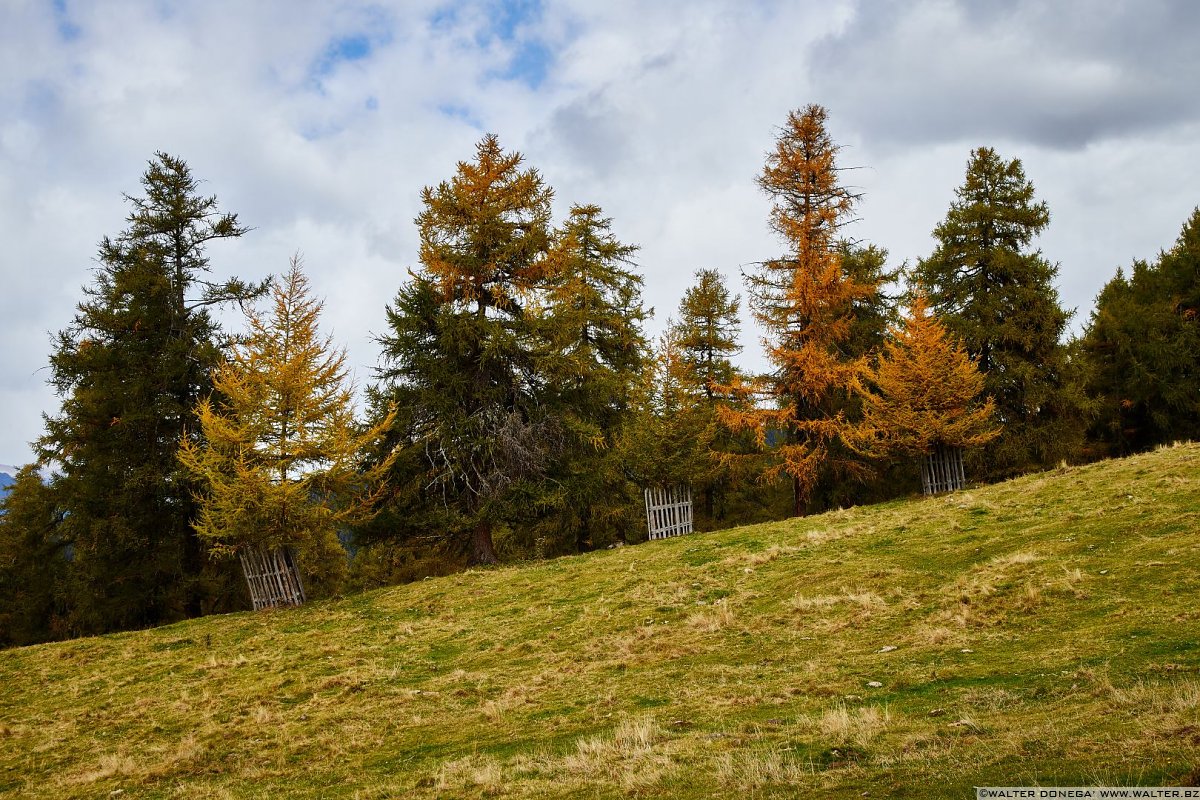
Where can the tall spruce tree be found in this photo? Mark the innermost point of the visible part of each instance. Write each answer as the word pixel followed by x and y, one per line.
pixel 997 295
pixel 706 333
pixel 705 338
pixel 1142 345
pixel 806 302
pixel 592 326
pixel 460 360
pixel 279 459
pixel 129 369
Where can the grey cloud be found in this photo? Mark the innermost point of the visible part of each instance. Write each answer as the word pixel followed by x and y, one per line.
pixel 593 133
pixel 660 113
pixel 1060 75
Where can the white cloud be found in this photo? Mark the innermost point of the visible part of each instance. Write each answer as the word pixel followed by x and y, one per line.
pixel 320 122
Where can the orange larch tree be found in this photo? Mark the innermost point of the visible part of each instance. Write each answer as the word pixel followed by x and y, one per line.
pixel 922 396
pixel 805 302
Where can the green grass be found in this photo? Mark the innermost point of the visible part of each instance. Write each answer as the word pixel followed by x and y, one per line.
pixel 1045 631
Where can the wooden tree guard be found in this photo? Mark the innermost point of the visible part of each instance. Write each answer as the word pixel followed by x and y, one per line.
pixel 273 577
pixel 942 470
pixel 668 511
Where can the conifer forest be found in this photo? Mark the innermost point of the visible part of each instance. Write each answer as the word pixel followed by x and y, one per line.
pixel 519 408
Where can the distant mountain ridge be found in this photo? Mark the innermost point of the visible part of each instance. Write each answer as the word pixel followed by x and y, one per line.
pixel 8 476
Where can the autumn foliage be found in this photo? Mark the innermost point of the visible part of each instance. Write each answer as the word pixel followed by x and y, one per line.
pixel 804 300
pixel 279 458
pixel 923 392
pixel 518 409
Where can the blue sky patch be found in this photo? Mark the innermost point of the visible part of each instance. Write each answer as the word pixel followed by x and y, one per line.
pixel 340 50
pixel 508 22
pixel 351 48
pixel 68 31
pixel 531 57
pixel 529 64
pixel 445 17
pixel 508 15
pixel 374 29
pixel 462 114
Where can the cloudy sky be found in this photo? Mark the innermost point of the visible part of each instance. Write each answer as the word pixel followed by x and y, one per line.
pixel 318 122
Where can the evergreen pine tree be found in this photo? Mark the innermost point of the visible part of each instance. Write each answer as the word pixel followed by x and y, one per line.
pixel 280 453
pixel 997 296
pixel 592 325
pixel 460 359
pixel 806 303
pixel 1143 349
pixel 706 333
pixel 33 563
pixel 129 369
pixel 705 337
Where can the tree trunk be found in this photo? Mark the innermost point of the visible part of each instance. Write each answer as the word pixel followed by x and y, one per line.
pixel 583 536
pixel 482 549
pixel 193 569
pixel 797 499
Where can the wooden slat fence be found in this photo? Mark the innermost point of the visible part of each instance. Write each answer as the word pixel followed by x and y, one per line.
pixel 273 577
pixel 668 511
pixel 942 470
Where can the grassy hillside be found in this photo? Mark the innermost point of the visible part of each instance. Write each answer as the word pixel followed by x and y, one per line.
pixel 1046 630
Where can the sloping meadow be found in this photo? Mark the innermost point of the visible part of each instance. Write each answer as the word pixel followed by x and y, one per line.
pixel 1041 631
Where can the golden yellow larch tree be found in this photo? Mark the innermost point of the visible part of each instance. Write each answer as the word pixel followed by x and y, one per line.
pixel 279 459
pixel 922 398
pixel 805 301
